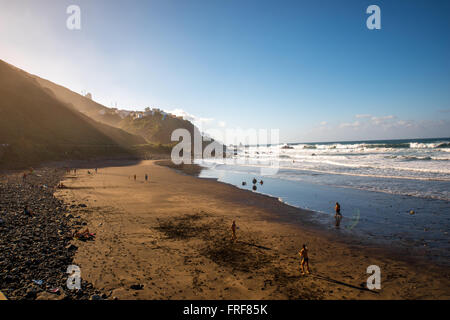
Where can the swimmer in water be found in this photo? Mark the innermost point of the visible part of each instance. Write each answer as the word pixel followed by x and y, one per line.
pixel 338 215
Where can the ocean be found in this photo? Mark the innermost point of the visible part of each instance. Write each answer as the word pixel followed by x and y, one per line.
pixel 377 183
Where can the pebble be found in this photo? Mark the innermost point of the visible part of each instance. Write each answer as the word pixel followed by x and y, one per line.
pixel 137 286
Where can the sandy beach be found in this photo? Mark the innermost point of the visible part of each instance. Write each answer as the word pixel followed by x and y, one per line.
pixel 170 237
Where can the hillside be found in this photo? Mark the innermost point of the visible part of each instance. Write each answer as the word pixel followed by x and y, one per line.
pixel 36 126
pixel 155 127
pixel 85 105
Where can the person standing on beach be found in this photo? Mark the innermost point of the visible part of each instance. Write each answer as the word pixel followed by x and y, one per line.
pixel 305 260
pixel 95 170
pixel 338 215
pixel 134 177
pixel 146 177
pixel 233 231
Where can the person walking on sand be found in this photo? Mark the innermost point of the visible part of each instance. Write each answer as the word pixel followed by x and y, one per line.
pixel 338 215
pixel 305 260
pixel 233 231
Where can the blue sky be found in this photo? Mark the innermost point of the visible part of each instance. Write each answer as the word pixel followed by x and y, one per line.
pixel 309 68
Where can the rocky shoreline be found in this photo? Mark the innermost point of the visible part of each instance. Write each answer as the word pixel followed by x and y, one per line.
pixel 36 250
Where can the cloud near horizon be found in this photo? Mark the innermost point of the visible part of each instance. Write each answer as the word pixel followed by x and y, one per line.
pixel 367 126
pixel 364 127
pixel 198 121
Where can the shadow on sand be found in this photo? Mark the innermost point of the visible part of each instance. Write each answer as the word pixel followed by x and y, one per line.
pixel 320 277
pixel 254 245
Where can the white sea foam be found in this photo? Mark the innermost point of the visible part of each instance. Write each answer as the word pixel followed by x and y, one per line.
pixel 391 161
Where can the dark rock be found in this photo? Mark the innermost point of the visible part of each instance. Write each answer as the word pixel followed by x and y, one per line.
pixel 31 294
pixel 71 247
pixel 36 247
pixel 137 286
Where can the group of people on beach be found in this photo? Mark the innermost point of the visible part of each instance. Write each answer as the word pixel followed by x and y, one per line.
pixel 146 177
pixel 303 253
pixel 69 170
pixel 254 183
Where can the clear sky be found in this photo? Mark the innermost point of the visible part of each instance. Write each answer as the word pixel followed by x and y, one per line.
pixel 309 68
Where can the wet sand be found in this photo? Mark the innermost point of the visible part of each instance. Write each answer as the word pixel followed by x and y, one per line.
pixel 172 235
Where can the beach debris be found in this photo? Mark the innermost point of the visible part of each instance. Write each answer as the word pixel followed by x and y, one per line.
pixel 137 286
pixel 38 282
pixel 411 212
pixel 96 297
pixel 2 222
pixel 84 235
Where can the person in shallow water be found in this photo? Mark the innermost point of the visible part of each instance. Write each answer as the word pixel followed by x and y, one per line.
pixel 305 260
pixel 338 215
pixel 255 181
pixel 233 231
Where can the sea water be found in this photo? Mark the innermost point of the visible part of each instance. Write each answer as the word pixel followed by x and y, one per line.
pixel 395 192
